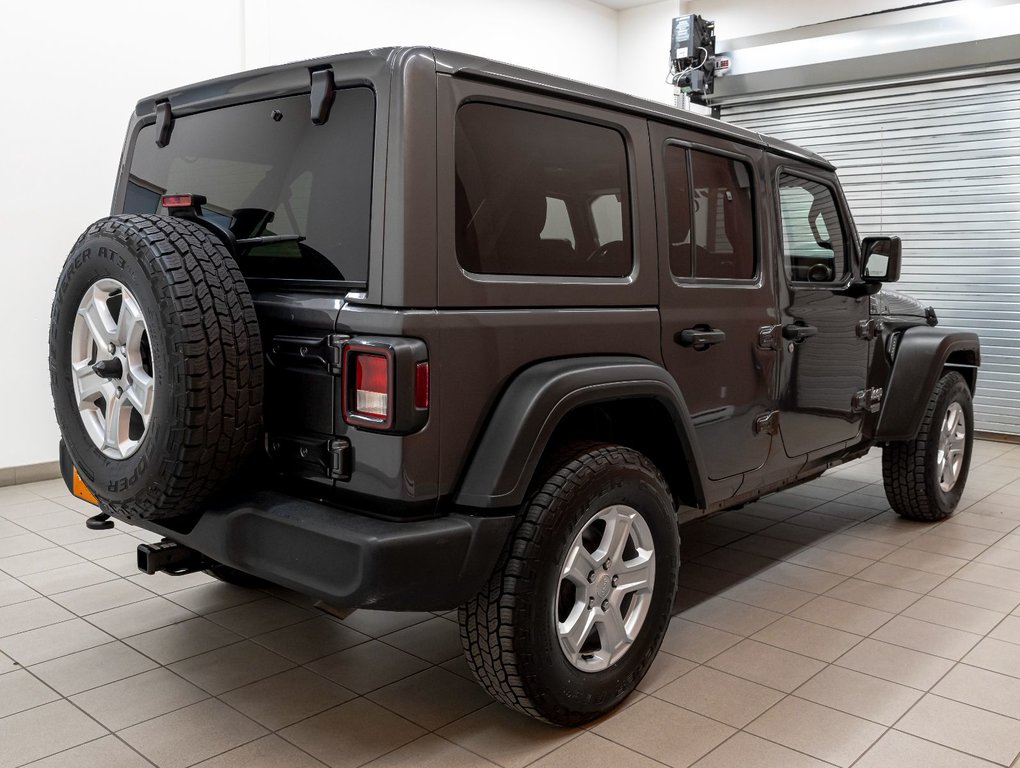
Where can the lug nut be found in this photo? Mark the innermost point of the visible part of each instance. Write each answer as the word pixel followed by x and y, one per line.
pixel 591 576
pixel 605 565
pixel 605 605
pixel 111 348
pixel 591 603
pixel 120 392
pixel 616 580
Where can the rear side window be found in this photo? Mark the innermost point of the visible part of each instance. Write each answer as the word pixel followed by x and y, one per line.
pixel 710 215
pixel 540 195
pixel 814 247
pixel 266 169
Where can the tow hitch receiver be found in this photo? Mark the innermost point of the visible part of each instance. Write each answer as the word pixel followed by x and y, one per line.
pixel 170 557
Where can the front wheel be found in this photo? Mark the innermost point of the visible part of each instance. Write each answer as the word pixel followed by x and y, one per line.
pixel 576 609
pixel 925 477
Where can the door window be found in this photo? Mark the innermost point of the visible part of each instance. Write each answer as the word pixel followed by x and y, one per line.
pixel 814 246
pixel 710 215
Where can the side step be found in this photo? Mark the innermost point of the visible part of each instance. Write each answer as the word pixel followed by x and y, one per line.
pixel 170 557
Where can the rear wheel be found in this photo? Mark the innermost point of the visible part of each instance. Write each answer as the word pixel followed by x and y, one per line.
pixel 925 477
pixel 576 609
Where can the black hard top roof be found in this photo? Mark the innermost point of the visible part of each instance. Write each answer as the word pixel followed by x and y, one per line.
pixel 371 66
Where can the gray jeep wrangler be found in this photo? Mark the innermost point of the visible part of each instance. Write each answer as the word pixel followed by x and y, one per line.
pixel 412 330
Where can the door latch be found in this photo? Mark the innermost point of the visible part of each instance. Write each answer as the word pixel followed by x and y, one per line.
pixel 869 329
pixel 767 337
pixel 867 401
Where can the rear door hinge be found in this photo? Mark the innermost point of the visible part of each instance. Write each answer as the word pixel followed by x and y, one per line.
pixel 338 460
pixel 335 353
pixel 303 352
pixel 767 423
pixel 311 456
pixel 869 329
pixel 867 400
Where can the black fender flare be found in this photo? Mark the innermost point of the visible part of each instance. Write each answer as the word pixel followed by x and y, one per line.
pixel 921 355
pixel 536 400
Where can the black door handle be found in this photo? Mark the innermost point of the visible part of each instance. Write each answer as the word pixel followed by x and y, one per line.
pixel 797 333
pixel 700 337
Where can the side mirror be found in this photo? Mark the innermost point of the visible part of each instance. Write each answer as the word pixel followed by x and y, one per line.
pixel 881 259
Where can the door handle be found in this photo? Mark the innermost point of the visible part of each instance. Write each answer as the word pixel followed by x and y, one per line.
pixel 797 332
pixel 700 337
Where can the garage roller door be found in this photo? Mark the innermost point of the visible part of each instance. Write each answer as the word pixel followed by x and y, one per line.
pixel 938 163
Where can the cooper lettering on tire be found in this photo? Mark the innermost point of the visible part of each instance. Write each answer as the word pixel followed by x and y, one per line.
pixel 155 365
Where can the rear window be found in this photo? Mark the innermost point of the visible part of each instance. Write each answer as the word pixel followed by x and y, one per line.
pixel 266 169
pixel 540 195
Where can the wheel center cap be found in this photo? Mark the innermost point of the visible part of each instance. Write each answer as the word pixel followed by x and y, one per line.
pixel 603 586
pixel 109 369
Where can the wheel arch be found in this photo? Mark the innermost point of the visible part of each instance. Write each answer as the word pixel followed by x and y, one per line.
pixel 628 400
pixel 922 356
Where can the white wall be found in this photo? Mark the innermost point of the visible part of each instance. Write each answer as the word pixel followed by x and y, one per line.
pixel 573 38
pixel 71 72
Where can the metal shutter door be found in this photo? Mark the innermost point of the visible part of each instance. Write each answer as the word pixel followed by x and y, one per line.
pixel 938 163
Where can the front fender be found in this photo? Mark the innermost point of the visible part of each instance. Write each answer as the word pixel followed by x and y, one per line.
pixel 921 356
pixel 535 402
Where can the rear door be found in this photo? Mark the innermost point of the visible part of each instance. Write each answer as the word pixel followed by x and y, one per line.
pixel 715 296
pixel 825 349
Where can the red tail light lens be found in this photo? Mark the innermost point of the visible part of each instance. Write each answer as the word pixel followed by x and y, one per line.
pixel 371 386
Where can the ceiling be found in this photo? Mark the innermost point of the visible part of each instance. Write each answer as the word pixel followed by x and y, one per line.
pixel 622 5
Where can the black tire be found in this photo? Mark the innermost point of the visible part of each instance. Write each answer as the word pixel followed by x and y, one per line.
pixel 910 468
pixel 508 631
pixel 205 356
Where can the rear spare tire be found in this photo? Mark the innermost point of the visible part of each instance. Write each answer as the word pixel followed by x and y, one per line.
pixel 155 365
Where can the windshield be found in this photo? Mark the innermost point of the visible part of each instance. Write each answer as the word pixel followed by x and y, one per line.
pixel 265 169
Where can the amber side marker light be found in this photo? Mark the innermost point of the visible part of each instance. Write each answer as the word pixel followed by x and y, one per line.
pixel 79 489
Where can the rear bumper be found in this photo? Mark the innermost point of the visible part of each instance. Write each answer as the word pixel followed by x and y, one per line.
pixel 347 559
pixel 344 558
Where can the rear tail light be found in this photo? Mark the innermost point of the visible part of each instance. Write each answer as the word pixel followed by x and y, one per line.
pixel 385 383
pixel 371 385
pixel 368 385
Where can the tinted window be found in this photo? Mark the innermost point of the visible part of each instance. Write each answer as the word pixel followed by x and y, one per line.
pixel 266 169
pixel 813 244
pixel 540 195
pixel 710 215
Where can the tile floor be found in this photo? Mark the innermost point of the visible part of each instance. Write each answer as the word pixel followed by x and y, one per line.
pixel 812 629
